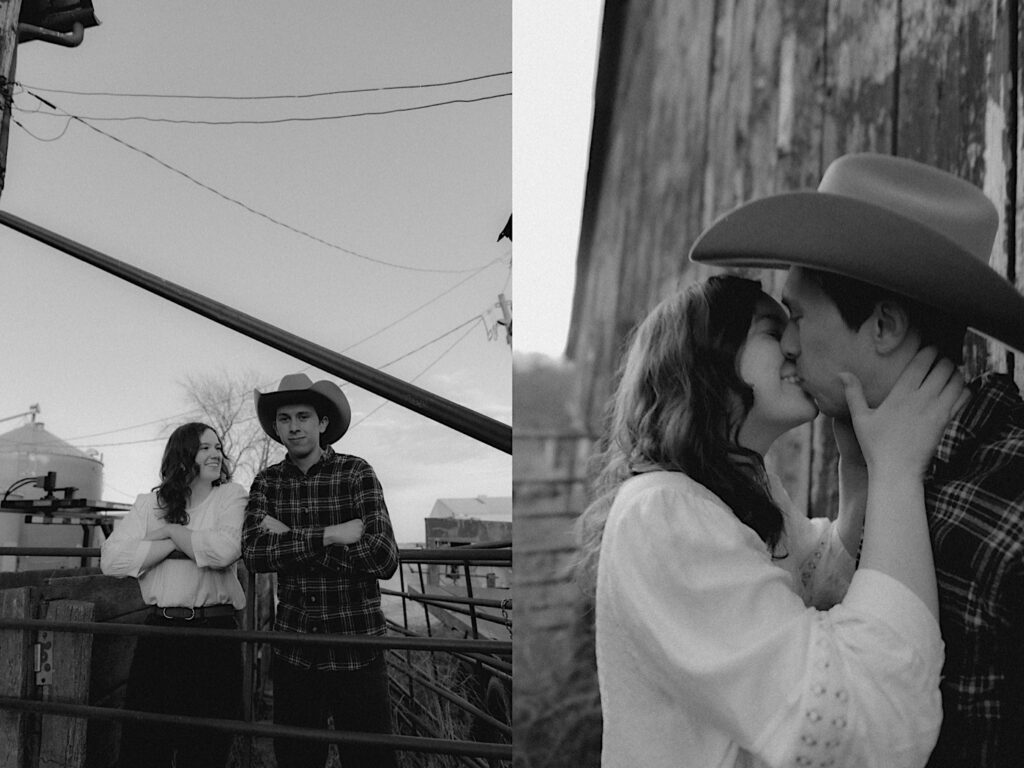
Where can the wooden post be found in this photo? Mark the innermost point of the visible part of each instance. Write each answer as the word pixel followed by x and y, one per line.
pixel 16 675
pixel 63 740
pixel 10 10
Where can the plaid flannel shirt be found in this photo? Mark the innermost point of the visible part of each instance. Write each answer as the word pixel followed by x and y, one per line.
pixel 975 501
pixel 322 589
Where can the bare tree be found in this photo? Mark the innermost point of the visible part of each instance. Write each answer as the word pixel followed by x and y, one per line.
pixel 226 404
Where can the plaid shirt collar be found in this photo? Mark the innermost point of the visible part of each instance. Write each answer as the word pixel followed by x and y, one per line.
pixel 326 457
pixel 994 398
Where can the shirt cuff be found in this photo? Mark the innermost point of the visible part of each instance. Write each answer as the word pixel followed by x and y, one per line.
pixel 141 553
pixel 891 602
pixel 202 560
pixel 316 539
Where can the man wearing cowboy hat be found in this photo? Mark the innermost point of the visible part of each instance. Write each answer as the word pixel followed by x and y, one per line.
pixel 318 519
pixel 886 256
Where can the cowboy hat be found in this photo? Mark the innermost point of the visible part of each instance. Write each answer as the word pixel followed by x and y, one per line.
pixel 888 221
pixel 325 396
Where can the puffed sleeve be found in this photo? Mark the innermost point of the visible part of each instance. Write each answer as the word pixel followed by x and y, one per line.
pixel 692 590
pixel 814 554
pixel 220 544
pixel 123 553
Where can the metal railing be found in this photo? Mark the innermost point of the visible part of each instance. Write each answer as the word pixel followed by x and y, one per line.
pixel 493 656
pixel 473 424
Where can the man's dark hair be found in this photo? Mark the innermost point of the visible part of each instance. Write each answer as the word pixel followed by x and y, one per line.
pixel 856 300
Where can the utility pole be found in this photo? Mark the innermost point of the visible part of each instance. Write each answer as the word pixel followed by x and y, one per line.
pixel 61 23
pixel 10 10
pixel 506 313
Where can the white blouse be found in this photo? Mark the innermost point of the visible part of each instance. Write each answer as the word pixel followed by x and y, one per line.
pixel 216 526
pixel 710 653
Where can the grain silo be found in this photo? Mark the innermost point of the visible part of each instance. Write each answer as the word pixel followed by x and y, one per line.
pixel 30 451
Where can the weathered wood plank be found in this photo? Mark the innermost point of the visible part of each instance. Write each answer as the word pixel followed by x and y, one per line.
pixel 650 208
pixel 63 739
pixel 12 579
pixel 16 675
pixel 112 598
pixel 801 92
pixel 1015 121
pixel 860 66
pixel 954 78
pixel 858 115
pixel 743 108
pixel 752 98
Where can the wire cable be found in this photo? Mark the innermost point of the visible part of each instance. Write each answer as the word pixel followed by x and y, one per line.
pixel 19 484
pixel 421 373
pixel 40 138
pixel 197 411
pixel 281 120
pixel 252 210
pixel 266 97
pixel 417 309
pixel 449 332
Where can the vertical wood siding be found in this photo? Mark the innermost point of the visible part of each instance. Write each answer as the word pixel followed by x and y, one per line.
pixel 705 104
pixel 717 103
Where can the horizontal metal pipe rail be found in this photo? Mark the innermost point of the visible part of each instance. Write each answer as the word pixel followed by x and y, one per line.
pixel 443 602
pixel 456 555
pixel 423 744
pixel 405 669
pixel 497 647
pixel 407 556
pixel 261 730
pixel 494 655
pixel 500 668
pixel 505 544
pixel 459 418
pixel 411 718
pixel 483 602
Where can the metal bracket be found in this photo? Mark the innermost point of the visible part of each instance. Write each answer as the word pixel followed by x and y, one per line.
pixel 44 658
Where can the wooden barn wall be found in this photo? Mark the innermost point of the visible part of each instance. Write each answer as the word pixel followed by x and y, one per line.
pixel 704 105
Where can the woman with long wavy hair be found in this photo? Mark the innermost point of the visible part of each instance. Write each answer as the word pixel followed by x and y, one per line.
pixel 182 542
pixel 730 630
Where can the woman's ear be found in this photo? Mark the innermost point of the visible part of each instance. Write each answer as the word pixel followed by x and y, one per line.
pixel 889 325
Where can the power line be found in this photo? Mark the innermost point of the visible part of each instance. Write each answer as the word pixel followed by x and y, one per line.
pixel 417 309
pixel 355 344
pixel 266 97
pixel 249 208
pixel 471 321
pixel 429 366
pixel 40 138
pixel 435 339
pixel 281 120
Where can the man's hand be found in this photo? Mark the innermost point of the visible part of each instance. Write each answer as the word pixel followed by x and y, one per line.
pixel 272 524
pixel 344 533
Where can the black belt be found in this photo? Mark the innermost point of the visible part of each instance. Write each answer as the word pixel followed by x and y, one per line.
pixel 190 614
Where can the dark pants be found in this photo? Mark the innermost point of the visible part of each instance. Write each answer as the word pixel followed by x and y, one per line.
pixel 358 701
pixel 183 676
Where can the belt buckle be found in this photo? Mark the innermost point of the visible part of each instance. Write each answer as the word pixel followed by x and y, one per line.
pixel 164 611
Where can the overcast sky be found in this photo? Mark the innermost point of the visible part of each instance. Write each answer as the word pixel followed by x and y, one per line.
pixel 333 229
pixel 555 56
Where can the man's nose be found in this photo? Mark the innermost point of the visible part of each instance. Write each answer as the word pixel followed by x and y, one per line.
pixel 790 341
